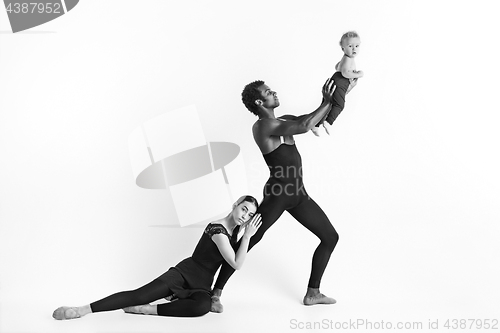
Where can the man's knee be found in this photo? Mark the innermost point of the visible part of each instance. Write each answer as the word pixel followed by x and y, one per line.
pixel 331 239
pixel 255 239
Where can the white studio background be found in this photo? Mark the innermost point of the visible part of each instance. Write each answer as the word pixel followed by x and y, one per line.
pixel 409 178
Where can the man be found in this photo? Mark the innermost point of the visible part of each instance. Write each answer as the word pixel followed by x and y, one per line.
pixel 285 190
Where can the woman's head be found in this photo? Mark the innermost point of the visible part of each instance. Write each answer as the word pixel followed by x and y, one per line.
pixel 244 209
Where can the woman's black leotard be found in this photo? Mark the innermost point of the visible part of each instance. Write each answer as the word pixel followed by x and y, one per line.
pixel 190 280
pixel 285 190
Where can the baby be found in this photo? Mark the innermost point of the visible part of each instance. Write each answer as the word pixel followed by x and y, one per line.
pixel 345 73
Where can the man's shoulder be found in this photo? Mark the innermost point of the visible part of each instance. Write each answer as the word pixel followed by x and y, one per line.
pixel 264 126
pixel 287 117
pixel 263 122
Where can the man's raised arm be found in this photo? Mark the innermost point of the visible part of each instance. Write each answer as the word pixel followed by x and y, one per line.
pixel 301 124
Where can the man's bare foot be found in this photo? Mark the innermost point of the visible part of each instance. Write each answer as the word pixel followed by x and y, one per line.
pixel 318 299
pixel 313 296
pixel 315 131
pixel 217 306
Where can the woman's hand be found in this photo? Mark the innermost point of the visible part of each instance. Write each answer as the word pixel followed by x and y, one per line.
pixel 253 225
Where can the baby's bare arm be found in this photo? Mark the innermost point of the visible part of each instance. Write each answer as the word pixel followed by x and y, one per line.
pixel 348 68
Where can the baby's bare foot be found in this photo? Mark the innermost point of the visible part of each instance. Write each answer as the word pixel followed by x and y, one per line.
pixel 327 127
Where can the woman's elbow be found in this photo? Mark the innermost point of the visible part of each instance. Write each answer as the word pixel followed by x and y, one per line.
pixel 235 265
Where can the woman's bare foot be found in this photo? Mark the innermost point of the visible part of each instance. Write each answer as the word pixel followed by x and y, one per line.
pixel 146 309
pixel 134 309
pixel 67 312
pixel 172 298
pixel 313 296
pixel 217 306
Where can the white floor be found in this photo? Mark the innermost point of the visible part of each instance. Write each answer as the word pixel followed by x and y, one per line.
pixel 373 286
pixel 251 311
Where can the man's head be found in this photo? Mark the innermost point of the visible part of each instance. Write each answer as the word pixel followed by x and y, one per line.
pixel 250 94
pixel 257 94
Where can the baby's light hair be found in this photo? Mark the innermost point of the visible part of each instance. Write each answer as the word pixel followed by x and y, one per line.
pixel 349 34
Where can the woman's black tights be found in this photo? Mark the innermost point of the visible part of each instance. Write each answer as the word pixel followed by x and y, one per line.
pixel 196 305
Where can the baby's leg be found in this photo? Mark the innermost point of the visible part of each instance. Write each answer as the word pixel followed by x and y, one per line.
pixel 342 84
pixel 315 130
pixel 334 112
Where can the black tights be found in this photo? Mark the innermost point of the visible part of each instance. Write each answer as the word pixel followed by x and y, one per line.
pixel 342 85
pixel 307 213
pixel 196 305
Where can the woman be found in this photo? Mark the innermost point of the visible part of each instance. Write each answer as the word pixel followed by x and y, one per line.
pixel 189 282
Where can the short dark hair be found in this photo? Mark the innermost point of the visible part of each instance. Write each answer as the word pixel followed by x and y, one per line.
pixel 250 94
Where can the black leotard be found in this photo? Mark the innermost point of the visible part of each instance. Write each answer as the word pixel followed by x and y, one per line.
pixel 285 190
pixel 199 270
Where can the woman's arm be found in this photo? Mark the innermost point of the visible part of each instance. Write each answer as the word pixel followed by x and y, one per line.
pixel 236 259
